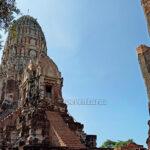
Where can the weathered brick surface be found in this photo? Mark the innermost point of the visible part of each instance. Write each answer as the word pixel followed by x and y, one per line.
pixel 68 137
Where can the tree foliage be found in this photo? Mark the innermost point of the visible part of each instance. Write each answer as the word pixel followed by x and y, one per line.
pixel 114 144
pixel 108 144
pixel 8 10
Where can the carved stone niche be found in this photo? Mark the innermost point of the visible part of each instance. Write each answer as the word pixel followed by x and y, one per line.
pixel 11 90
pixel 48 91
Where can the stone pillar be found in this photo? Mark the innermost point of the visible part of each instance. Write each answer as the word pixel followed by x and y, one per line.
pixel 143 55
pixel 144 61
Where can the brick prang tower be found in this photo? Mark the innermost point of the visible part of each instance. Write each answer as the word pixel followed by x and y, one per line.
pixel 33 114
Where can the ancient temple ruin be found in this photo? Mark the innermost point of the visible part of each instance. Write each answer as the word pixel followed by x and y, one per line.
pixel 144 59
pixel 33 114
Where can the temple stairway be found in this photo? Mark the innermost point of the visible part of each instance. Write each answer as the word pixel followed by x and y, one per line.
pixel 63 133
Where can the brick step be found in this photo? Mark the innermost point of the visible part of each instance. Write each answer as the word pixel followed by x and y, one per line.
pixel 67 136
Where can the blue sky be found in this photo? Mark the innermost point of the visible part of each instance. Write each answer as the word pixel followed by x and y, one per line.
pixel 94 42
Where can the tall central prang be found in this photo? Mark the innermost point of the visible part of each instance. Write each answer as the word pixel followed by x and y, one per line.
pixel 33 113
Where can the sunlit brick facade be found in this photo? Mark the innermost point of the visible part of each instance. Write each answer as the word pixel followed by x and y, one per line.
pixel 33 114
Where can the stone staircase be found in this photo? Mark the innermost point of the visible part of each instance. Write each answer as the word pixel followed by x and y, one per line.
pixel 65 136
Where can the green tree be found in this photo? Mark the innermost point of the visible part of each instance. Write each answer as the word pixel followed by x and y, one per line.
pixel 8 10
pixel 114 144
pixel 108 144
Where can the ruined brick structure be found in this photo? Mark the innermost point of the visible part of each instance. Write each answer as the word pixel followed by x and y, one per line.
pixel 144 59
pixel 131 146
pixel 33 114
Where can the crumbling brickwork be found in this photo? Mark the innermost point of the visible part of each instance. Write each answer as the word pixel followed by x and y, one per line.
pixel 33 114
